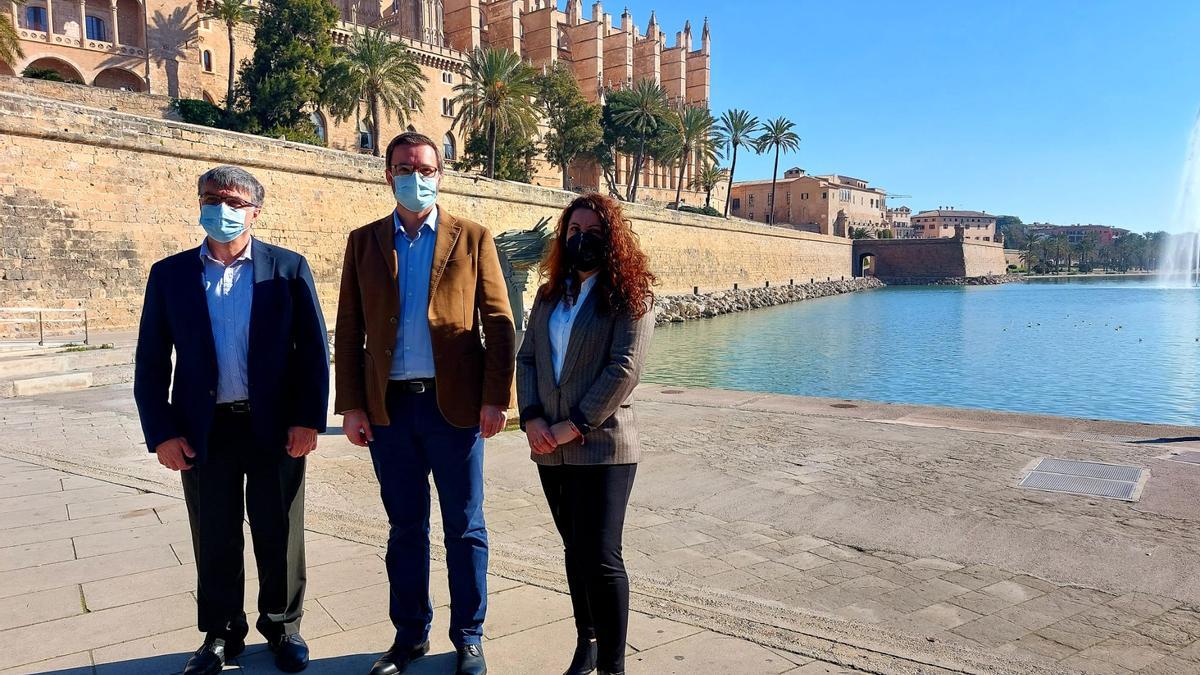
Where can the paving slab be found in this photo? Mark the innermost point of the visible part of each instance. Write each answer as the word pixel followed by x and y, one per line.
pixel 901 519
pixel 708 652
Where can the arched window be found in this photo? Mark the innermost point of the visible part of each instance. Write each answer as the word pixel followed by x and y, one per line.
pixel 35 18
pixel 206 60
pixel 364 133
pixel 448 149
pixel 96 30
pixel 318 122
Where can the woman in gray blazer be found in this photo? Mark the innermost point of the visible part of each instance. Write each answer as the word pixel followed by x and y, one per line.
pixel 578 365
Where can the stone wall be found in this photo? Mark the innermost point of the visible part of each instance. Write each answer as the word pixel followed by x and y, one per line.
pixel 146 105
pixel 902 259
pixel 95 197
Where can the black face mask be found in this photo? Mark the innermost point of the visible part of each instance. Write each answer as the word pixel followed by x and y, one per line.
pixel 585 252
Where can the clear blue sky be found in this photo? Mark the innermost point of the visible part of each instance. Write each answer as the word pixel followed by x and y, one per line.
pixel 1058 111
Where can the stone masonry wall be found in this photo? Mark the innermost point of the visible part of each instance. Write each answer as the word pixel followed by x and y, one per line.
pixel 901 259
pixel 90 198
pixel 146 105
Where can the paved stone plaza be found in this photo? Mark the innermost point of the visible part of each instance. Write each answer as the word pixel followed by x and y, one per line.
pixel 881 537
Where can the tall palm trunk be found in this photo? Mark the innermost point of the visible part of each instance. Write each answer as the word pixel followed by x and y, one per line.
pixel 637 165
pixel 708 198
pixel 373 102
pixel 679 188
pixel 492 147
pixel 229 25
pixel 729 189
pixel 774 176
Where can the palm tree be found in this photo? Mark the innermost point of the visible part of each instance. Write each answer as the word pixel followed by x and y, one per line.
pixel 737 128
pixel 10 43
pixel 693 138
pixel 379 70
pixel 231 13
pixel 707 179
pixel 496 96
pixel 1030 258
pixel 646 114
pixel 777 135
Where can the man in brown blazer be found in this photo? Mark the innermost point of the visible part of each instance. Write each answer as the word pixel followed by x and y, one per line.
pixel 424 348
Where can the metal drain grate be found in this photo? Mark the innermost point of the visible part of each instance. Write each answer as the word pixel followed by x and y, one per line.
pixel 1071 467
pixel 1189 457
pixel 1092 479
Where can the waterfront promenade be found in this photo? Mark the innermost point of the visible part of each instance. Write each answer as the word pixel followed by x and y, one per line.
pixel 886 538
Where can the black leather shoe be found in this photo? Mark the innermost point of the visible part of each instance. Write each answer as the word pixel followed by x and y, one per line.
pixel 470 660
pixel 291 653
pixel 210 658
pixel 395 660
pixel 584 661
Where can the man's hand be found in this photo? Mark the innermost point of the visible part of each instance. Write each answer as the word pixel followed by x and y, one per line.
pixel 301 441
pixel 564 432
pixel 541 441
pixel 492 419
pixel 175 453
pixel 357 427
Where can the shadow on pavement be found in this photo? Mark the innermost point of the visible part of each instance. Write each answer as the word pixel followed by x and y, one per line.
pixel 262 662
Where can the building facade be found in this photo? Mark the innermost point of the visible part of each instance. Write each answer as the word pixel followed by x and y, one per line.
pixel 940 223
pixel 1076 233
pixel 832 204
pixel 164 47
pixel 900 221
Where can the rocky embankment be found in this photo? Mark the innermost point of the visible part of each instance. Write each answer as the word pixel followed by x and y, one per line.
pixel 990 280
pixel 680 308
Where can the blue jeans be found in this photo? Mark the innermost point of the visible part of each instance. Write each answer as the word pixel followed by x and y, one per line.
pixel 417 442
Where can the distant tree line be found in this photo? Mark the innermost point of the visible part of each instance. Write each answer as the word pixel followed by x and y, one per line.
pixel 1042 254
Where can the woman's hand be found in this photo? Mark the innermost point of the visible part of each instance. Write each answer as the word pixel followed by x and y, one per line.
pixel 564 432
pixel 541 440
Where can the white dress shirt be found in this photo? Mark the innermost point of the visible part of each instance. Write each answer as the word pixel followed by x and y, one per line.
pixel 562 319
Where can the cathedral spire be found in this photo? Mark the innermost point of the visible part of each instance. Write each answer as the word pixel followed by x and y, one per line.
pixel 706 38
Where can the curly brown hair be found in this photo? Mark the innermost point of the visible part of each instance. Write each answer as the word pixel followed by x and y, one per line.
pixel 624 279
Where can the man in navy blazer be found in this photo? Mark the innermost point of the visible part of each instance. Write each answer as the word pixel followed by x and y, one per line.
pixel 244 402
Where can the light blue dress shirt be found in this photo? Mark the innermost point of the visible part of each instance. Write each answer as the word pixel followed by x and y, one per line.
pixel 229 290
pixel 413 356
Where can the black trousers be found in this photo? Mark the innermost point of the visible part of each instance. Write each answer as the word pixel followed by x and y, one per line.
pixel 274 500
pixel 588 504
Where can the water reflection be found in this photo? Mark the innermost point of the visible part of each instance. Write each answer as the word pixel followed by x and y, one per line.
pixel 1100 348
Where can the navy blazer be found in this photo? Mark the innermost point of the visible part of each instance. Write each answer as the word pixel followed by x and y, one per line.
pixel 288 352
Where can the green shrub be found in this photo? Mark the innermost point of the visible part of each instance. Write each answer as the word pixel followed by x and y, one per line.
pixel 702 210
pixel 47 74
pixel 196 111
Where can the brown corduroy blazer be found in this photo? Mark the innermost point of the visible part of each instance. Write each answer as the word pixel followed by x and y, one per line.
pixel 467 297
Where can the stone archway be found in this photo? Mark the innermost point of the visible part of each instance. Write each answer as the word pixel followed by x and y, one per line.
pixel 66 71
pixel 865 264
pixel 119 78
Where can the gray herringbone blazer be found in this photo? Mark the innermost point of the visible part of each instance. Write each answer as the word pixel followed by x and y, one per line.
pixel 603 364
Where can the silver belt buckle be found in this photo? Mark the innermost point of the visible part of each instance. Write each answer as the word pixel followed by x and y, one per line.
pixel 419 386
pixel 240 407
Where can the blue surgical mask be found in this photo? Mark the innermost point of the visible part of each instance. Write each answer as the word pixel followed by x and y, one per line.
pixel 222 222
pixel 415 192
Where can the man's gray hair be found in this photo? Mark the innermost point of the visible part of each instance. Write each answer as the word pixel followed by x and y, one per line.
pixel 235 178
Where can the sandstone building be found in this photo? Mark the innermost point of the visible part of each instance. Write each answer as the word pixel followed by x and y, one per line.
pixel 1105 234
pixel 162 47
pixel 939 223
pixel 900 221
pixel 832 204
